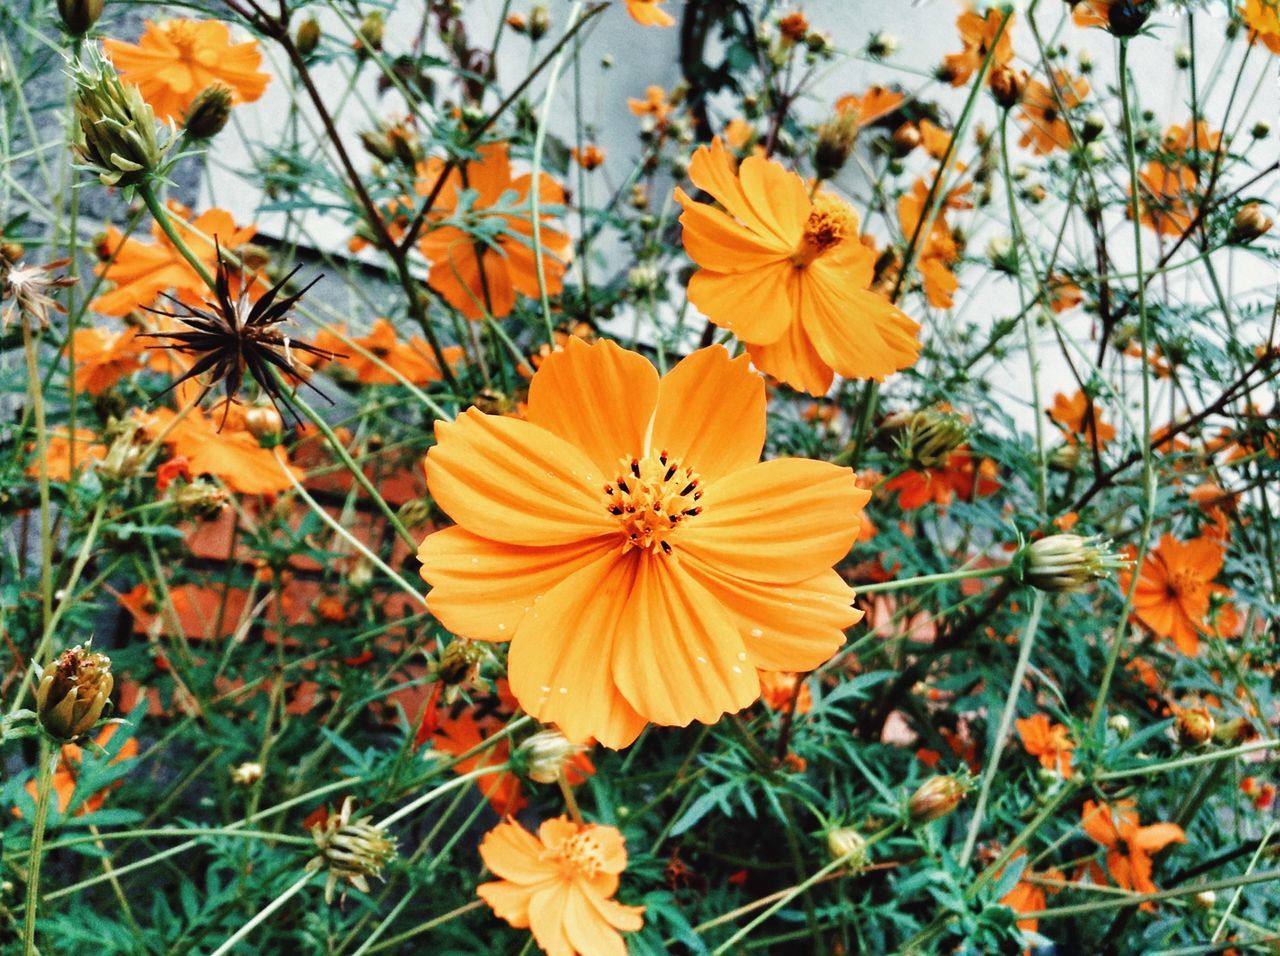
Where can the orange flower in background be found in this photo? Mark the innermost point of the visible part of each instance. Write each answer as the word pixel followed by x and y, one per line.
pixel 1175 589
pixel 104 357
pixel 978 34
pixel 1042 108
pixel 875 103
pixel 482 276
pixel 1048 742
pixel 232 454
pixel 628 542
pixel 589 157
pixel 413 359
pixel 1027 898
pixel 175 60
pixel 655 104
pixel 941 485
pixel 1064 294
pixel 776 688
pixel 1192 137
pixel 1073 416
pixel 58 453
pixel 1263 20
pixel 738 132
pixel 1165 197
pixel 1121 17
pixel 789 275
pixel 649 13
pixel 68 772
pixel 560 885
pixel 938 249
pixel 141 270
pixel 935 140
pixel 1129 846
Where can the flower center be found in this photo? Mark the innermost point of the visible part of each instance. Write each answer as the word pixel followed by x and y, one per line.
pixel 650 498
pixel 830 222
pixel 1183 582
pixel 581 855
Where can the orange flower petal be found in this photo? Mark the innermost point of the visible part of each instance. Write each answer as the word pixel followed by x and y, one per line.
pixel 757 305
pixel 711 413
pixel 1154 838
pixel 793 359
pixel 511 481
pixel 715 241
pixel 586 927
pixel 778 521
pixel 712 170
pixel 599 398
pixel 509 901
pixel 858 333
pixel 515 854
pixel 547 919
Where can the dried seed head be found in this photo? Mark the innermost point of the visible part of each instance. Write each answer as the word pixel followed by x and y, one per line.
pixel 72 692
pixel 351 850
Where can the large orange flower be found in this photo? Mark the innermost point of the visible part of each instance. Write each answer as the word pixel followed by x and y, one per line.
pixel 142 270
pixel 628 542
pixel 175 60
pixel 650 13
pixel 479 270
pixel 1074 416
pixel 1263 20
pixel 978 33
pixel 104 357
pixel 1129 846
pixel 789 275
pixel 1047 742
pixel 1175 589
pixel 560 885
pixel 1042 108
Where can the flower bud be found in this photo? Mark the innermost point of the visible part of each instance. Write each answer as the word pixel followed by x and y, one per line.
pixel 881 45
pixel 1068 563
pixel 369 33
pixel 544 755
pixel 517 22
pixel 1205 899
pixel 264 423
pixel 1000 254
pixel 117 127
pixel 905 138
pixel 307 39
pixel 72 692
pixel 1126 17
pixel 539 21
pixel 1093 126
pixel 414 513
pixel 1008 85
pixel 794 27
pixel 846 843
pixel 834 144
pixel 927 438
pixel 1248 224
pixel 79 16
pixel 351 850
pixel 1261 130
pixel 208 113
pixel 1193 725
pixel 1120 724
pixel 1236 731
pixel 460 661
pixel 198 499
pixel 246 775
pixel 936 797
pixel 1065 458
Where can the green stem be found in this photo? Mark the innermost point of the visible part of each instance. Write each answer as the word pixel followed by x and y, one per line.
pixel 262 915
pixel 44 788
pixel 1181 762
pixel 1137 899
pixel 165 222
pixel 943 578
pixel 42 475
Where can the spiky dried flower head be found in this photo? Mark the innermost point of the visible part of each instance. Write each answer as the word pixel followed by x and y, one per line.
pixel 234 335
pixel 927 438
pixel 117 129
pixel 72 691
pixel 350 849
pixel 28 290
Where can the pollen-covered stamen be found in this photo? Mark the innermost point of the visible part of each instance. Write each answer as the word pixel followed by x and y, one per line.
pixel 830 222
pixel 581 855
pixel 651 498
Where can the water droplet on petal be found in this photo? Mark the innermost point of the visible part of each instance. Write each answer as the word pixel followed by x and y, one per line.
pixel 756 632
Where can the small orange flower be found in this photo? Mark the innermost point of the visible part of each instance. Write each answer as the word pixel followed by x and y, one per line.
pixel 560 885
pixel 481 277
pixel 104 357
pixel 68 772
pixel 978 33
pixel 414 359
pixel 776 688
pixel 738 132
pixel 938 249
pixel 628 543
pixel 942 485
pixel 788 274
pixel 175 60
pixel 1042 108
pixel 1048 742
pixel 794 27
pixel 875 103
pixel 1028 898
pixel 655 104
pixel 1175 589
pixel 1263 20
pixel 589 157
pixel 1064 294
pixel 649 13
pixel 1078 417
pixel 59 450
pixel 1129 846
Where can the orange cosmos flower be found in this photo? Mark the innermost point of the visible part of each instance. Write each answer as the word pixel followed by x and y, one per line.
pixel 959 477
pixel 655 104
pixel 935 140
pixel 1027 898
pixel 978 33
pixel 1263 20
pixel 412 359
pixel 650 13
pixel 938 249
pixel 1042 108
pixel 738 132
pixel 1129 846
pixel 1064 294
pixel 231 454
pixel 560 885
pixel 142 270
pixel 1175 588
pixel 789 275
pixel 175 60
pixel 1077 416
pixel 589 157
pixel 776 688
pixel 875 103
pixel 67 773
pixel 58 454
pixel 104 357
pixel 481 277
pixel 1048 742
pixel 628 543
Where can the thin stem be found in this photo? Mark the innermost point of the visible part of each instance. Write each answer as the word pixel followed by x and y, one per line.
pixel 942 578
pixel 165 222
pixel 262 915
pixel 44 788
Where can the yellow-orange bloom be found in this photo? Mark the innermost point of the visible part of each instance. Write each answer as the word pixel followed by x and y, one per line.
pixel 978 34
pixel 482 276
pixel 104 357
pixel 1048 742
pixel 560 885
pixel 1263 20
pixel 789 275
pixel 1129 846
pixel 650 13
pixel 1175 589
pixel 67 773
pixel 655 104
pixel 1042 108
pixel 875 103
pixel 414 359
pixel 1078 416
pixel 175 60
pixel 627 541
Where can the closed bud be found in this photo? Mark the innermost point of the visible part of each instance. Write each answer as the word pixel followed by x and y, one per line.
pixel 11 252
pixel 1000 254
pixel 1126 17
pixel 208 113
pixel 643 279
pixel 123 459
pixel 1235 731
pixel 539 21
pixel 198 499
pixel 1193 725
pixel 926 439
pixel 414 513
pixel 1008 85
pixel 1182 57
pixel 246 774
pixel 307 39
pixel 351 850
pixel 1261 130
pixel 79 16
pixel 847 844
pixel 543 756
pixel 264 423
pixel 1249 223
pixel 369 33
pixel 882 45
pixel 937 797
pixel 1065 458
pixel 1121 725
pixel 1093 126
pixel 1084 60
pixel 1061 563
pixel 72 692
pixel 378 145
pixel 905 138
pixel 517 22
pixel 834 144
pixel 1205 899
pixel 117 129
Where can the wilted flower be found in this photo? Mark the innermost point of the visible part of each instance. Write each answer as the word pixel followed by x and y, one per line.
pixel 29 288
pixel 1068 562
pixel 350 849
pixel 1249 223
pixel 117 128
pixel 835 143
pixel 72 692
pixel 1193 725
pixel 937 797
pixel 926 438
